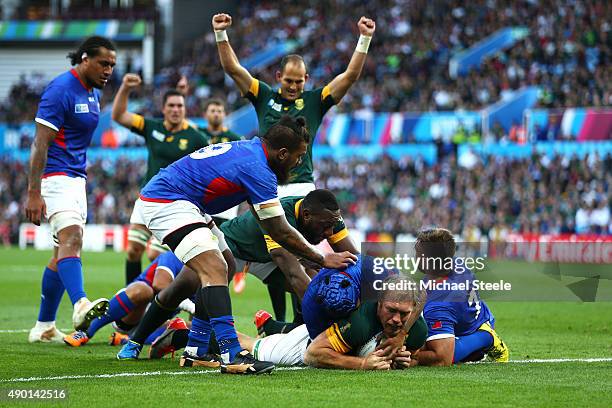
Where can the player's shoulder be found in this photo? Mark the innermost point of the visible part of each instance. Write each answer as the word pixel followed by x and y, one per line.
pixel 61 85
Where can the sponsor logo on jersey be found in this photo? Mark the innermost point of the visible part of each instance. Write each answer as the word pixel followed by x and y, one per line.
pixel 159 136
pixel 277 107
pixel 81 108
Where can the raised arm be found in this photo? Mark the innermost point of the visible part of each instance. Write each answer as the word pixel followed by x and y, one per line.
pixel 229 60
pixel 341 84
pixel 35 205
pixel 120 113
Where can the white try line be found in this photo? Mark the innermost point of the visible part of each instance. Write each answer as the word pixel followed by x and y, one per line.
pixel 200 372
pixel 27 331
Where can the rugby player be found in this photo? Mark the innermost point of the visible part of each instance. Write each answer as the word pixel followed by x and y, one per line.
pixel 291 99
pixel 167 140
pixel 212 180
pixel 316 216
pixel 67 116
pixel 128 305
pixel 341 345
pixel 460 324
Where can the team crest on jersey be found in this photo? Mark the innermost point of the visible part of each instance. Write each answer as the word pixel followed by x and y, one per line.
pixel 159 136
pixel 299 104
pixel 81 108
pixel 183 144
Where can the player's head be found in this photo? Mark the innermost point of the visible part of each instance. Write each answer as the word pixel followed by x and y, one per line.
pixel 214 112
pixel 173 107
pixel 96 58
pixel 319 212
pixel 396 303
pixel 292 76
pixel 286 142
pixel 434 246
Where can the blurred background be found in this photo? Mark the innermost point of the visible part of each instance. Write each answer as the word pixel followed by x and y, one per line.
pixel 491 118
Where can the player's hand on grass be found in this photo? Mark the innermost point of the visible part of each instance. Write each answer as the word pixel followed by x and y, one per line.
pixel 35 207
pixel 403 359
pixel 340 260
pixel 221 21
pixel 366 26
pixel 376 360
pixel 131 80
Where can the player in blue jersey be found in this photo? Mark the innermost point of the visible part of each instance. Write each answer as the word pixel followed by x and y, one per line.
pixel 460 325
pixel 128 305
pixel 66 119
pixel 211 180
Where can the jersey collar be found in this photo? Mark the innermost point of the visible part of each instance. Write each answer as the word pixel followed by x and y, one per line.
pixel 184 126
pixel 297 208
pixel 76 75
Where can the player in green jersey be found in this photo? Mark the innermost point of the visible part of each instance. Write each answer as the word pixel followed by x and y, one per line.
pixel 291 98
pixel 167 140
pixel 317 217
pixel 355 341
pixel 217 132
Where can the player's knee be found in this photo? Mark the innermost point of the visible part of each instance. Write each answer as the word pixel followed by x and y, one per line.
pixel 134 251
pixel 71 237
pixel 139 293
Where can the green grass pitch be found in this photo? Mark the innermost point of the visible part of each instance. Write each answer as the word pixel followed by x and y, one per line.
pixel 92 377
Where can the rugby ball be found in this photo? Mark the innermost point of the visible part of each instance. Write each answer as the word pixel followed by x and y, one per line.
pixel 370 345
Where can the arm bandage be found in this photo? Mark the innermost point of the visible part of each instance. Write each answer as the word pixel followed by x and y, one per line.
pixel 221 36
pixel 269 209
pixel 363 44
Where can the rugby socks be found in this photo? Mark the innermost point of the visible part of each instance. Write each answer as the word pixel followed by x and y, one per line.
pixel 219 307
pixel 297 309
pixel 275 327
pixel 119 306
pixel 51 295
pixel 155 334
pixel 155 316
pixel 199 337
pixel 132 270
pixel 470 344
pixel 70 271
pixel 276 289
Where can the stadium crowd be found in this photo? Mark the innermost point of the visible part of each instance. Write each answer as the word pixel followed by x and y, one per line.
pixel 478 198
pixel 567 53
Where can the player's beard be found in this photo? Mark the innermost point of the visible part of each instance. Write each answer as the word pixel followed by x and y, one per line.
pixel 282 173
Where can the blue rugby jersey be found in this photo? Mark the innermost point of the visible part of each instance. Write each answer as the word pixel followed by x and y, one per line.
pixel 217 177
pixel 70 108
pixel 455 313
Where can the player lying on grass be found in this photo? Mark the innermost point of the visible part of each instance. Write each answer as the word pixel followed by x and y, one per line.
pixel 350 343
pixel 316 217
pixel 211 181
pixel 128 305
pixel 460 325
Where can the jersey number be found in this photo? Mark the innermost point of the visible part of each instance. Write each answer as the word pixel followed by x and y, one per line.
pixel 211 151
pixel 474 301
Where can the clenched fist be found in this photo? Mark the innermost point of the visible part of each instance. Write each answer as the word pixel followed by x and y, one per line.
pixel 131 80
pixel 221 21
pixel 366 26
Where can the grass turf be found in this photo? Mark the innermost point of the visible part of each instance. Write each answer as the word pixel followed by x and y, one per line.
pixel 533 330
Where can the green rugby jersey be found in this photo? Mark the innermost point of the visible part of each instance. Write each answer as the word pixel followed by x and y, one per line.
pixel 225 135
pixel 312 105
pixel 249 242
pixel 163 146
pixel 347 335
